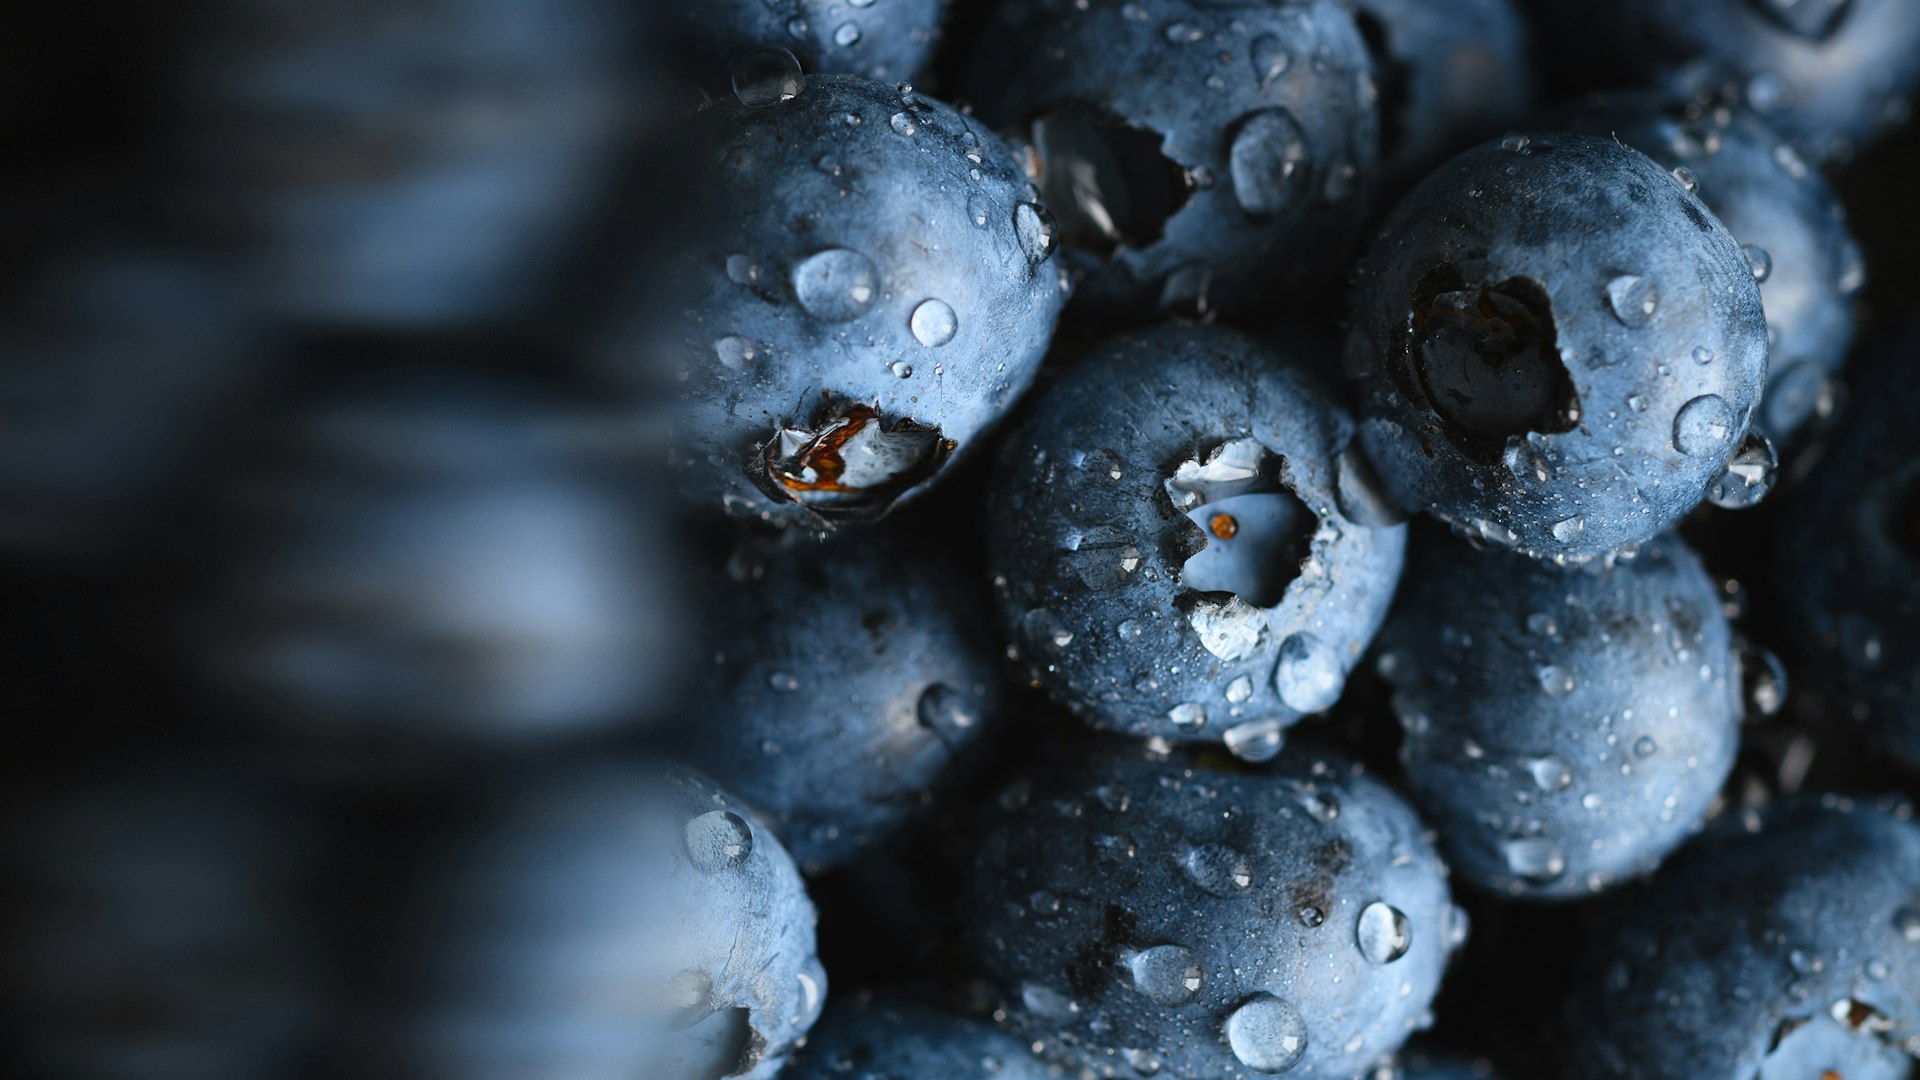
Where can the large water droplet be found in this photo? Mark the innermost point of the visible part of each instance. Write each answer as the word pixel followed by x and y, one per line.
pixel 1256 740
pixel 1267 1034
pixel 718 840
pixel 1550 773
pixel 1217 869
pixel 933 323
pixel 1309 676
pixel 946 712
pixel 735 352
pixel 1270 59
pixel 1633 300
pixel 1104 557
pixel 1038 233
pixel 1383 933
pixel 1703 426
pixel 836 285
pixel 1568 530
pixel 1166 974
pixel 1269 163
pixel 1536 859
pixel 767 75
pixel 1749 474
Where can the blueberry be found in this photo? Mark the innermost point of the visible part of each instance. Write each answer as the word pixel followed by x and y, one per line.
pixel 157 926
pixel 1447 75
pixel 848 684
pixel 1830 75
pixel 388 166
pixel 889 40
pixel 1158 917
pixel 1849 559
pixel 114 358
pixel 1525 334
pixel 1187 544
pixel 893 1036
pixel 1566 728
pixel 608 921
pixel 1779 946
pixel 1198 155
pixel 1785 216
pixel 868 292
pixel 432 560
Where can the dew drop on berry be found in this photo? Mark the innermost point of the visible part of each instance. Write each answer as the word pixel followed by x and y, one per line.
pixel 1267 1034
pixel 718 840
pixel 1383 933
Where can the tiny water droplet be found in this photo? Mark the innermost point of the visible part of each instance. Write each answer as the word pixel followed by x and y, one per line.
pixel 933 323
pixel 1633 300
pixel 1749 475
pixel 718 840
pixel 1217 869
pixel 767 75
pixel 903 123
pixel 1535 859
pixel 1550 773
pixel 735 352
pixel 1568 530
pixel 1383 933
pixel 1516 142
pixel 1555 680
pixel 1703 426
pixel 1758 261
pixel 1166 974
pixel 1270 59
pixel 847 35
pixel 1037 231
pixel 1686 177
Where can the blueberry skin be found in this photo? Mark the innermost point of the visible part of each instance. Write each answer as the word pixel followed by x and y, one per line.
pixel 1449 74
pixel 888 40
pixel 1778 946
pixel 1849 562
pixel 113 356
pixel 1099 573
pixel 1830 75
pixel 1525 332
pixel 431 562
pixel 868 259
pixel 1771 199
pixel 1156 917
pixel 1526 689
pixel 1255 142
pixel 432 163
pixel 892 1036
pixel 600 919
pixel 156 926
pixel 848 684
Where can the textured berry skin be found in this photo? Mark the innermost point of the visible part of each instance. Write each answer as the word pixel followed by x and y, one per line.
pixel 405 164
pixel 1849 564
pixel 1129 597
pixel 1566 728
pixel 1527 333
pixel 156 927
pixel 1267 141
pixel 888 40
pixel 1783 948
pixel 848 683
pixel 430 561
pixel 1449 74
pixel 1831 75
pixel 112 359
pixel 864 251
pixel 1159 918
pixel 584 894
pixel 1771 199
pixel 893 1036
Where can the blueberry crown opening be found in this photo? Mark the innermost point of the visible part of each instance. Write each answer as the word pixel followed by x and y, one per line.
pixel 1107 182
pixel 1487 361
pixel 852 466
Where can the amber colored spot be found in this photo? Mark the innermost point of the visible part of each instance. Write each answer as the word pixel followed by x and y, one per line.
pixel 819 466
pixel 1831 1074
pixel 1224 526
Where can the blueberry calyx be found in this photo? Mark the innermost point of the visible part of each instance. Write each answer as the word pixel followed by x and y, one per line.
pixel 853 466
pixel 1109 182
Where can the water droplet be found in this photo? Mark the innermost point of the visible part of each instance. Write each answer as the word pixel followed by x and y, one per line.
pixel 1104 557
pixel 979 210
pixel 1702 355
pixel 1906 921
pixel 767 75
pixel 836 285
pixel 1703 426
pixel 847 35
pixel 1269 163
pixel 1516 142
pixel 1188 715
pixel 1568 530
pixel 1633 300
pixel 1555 680
pixel 1458 926
pixel 1184 33
pixel 1045 632
pixel 1637 402
pixel 1758 261
pixel 1536 859
pixel 1309 676
pixel 783 681
pixel 946 712
pixel 1686 177
pixel 1550 773
pixel 1527 462
pixel 1270 59
pixel 1644 746
pixel 1047 1003
pixel 1166 974
pixel 1038 233
pixel 735 352
pixel 1749 474
pixel 1763 680
pixel 1256 740
pixel 903 123
pixel 1240 689
pixel 1790 161
pixel 743 269
pixel 1311 917
pixel 933 323
pixel 1267 1034
pixel 718 840
pixel 1383 933
pixel 1218 870
pixel 1853 268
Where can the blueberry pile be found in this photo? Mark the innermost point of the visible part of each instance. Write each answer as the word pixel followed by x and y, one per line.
pixel 927 539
